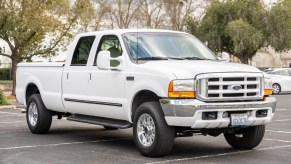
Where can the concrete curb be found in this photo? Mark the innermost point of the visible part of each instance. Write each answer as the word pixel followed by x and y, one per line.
pixel 7 106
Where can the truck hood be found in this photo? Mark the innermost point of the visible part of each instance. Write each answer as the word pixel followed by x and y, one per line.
pixel 184 69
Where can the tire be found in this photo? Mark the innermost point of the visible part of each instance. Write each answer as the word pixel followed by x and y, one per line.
pixel 109 128
pixel 162 136
pixel 38 118
pixel 276 89
pixel 247 138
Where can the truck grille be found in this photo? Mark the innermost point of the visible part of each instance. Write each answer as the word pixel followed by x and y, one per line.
pixel 230 86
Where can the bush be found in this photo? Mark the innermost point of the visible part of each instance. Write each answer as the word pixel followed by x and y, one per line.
pixel 5 74
pixel 3 99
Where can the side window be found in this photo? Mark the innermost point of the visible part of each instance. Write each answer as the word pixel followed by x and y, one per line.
pixel 282 72
pixel 109 43
pixel 82 50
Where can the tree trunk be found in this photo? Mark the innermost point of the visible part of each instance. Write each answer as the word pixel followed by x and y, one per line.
pixel 244 59
pixel 14 59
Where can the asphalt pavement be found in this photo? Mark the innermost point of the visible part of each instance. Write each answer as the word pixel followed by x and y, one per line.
pixel 72 142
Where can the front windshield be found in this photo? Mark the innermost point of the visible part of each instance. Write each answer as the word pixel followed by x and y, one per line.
pixel 166 46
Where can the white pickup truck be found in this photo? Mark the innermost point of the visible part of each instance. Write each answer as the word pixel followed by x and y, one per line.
pixel 164 84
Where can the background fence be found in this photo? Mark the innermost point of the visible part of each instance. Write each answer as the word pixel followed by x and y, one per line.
pixel 5 71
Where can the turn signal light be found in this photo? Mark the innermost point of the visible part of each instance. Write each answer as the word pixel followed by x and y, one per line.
pixel 268 92
pixel 181 94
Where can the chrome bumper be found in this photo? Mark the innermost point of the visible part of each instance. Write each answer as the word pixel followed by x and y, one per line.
pixel 188 112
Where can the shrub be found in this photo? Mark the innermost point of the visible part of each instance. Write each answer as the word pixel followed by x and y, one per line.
pixel 5 74
pixel 3 99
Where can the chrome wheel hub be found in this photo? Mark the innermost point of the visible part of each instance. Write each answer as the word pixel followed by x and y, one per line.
pixel 32 114
pixel 146 130
pixel 276 89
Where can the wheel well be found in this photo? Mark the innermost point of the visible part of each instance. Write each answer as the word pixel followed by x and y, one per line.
pixel 30 90
pixel 141 97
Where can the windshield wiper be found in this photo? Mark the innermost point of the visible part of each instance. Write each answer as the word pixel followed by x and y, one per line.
pixel 175 58
pixel 153 58
pixel 194 58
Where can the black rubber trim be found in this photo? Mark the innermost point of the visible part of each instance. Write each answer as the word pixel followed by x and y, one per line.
pixel 130 78
pixel 94 102
pixel 109 122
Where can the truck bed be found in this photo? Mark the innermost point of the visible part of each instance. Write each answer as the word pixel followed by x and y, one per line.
pixel 47 77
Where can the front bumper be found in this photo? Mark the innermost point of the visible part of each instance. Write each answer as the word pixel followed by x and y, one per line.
pixel 188 112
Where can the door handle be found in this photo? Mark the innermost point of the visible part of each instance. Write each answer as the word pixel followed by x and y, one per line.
pixel 67 75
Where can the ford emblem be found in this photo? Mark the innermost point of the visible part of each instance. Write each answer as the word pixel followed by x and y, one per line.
pixel 236 87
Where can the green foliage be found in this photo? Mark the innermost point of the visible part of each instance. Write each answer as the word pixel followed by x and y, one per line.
pixel 5 74
pixel 241 27
pixel 3 99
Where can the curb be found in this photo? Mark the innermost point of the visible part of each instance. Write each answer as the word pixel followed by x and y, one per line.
pixel 7 106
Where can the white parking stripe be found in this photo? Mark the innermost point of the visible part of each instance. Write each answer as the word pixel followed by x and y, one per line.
pixel 11 113
pixel 281 120
pixel 1 132
pixel 280 109
pixel 222 154
pixel 270 139
pixel 275 131
pixel 12 122
pixel 61 144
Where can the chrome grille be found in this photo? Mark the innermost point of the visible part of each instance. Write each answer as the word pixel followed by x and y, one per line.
pixel 230 86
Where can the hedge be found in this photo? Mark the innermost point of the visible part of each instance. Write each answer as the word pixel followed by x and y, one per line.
pixel 5 74
pixel 3 99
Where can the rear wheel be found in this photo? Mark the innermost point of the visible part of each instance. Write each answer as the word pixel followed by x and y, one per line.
pixel 38 118
pixel 152 136
pixel 276 89
pixel 247 138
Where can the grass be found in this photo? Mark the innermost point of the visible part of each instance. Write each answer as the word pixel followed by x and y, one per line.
pixel 5 81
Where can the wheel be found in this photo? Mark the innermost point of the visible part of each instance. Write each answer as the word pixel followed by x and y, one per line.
pixel 276 89
pixel 152 136
pixel 247 138
pixel 109 128
pixel 38 118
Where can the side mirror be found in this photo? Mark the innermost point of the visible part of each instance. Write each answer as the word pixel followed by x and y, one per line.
pixel 105 61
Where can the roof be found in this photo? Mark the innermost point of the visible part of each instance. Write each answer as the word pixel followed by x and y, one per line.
pixel 122 31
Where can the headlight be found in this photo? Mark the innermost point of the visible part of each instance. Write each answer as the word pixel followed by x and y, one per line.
pixel 182 88
pixel 268 86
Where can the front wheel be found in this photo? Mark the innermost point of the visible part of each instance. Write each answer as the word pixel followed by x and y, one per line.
pixel 152 136
pixel 276 89
pixel 247 138
pixel 38 118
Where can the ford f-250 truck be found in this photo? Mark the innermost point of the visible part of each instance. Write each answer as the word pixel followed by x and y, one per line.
pixel 164 84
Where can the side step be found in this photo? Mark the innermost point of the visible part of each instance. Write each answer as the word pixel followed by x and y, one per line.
pixel 121 124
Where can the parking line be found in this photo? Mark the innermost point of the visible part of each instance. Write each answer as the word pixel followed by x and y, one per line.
pixel 270 139
pixel 2 132
pixel 218 155
pixel 275 131
pixel 12 122
pixel 61 144
pixel 281 120
pixel 9 113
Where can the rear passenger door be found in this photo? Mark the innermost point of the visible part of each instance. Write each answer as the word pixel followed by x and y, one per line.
pixel 75 76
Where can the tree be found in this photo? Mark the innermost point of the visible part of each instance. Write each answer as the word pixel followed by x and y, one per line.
pixel 36 28
pixel 122 13
pixel 242 27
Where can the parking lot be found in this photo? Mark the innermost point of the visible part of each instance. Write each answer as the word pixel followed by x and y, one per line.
pixel 71 142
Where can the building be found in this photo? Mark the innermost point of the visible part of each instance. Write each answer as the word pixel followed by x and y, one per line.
pixel 5 62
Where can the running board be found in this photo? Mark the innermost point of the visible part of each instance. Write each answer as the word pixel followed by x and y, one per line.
pixel 121 124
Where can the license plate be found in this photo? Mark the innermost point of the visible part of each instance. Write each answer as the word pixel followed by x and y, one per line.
pixel 239 119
